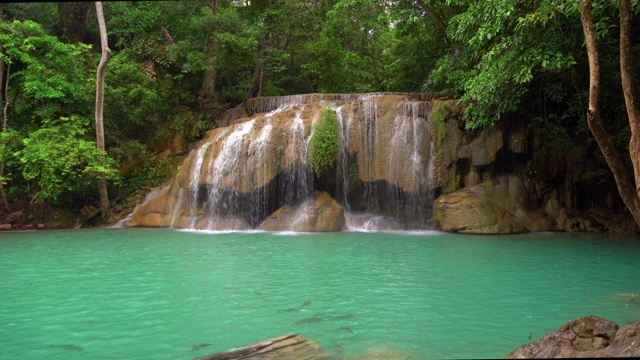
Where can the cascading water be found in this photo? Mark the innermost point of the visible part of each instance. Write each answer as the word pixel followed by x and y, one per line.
pixel 298 182
pixel 403 200
pixel 226 170
pixel 244 172
pixel 412 122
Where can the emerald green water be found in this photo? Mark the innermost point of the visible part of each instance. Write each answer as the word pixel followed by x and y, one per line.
pixel 165 294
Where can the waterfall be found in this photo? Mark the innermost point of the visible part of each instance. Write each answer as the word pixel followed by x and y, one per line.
pixel 258 149
pixel 242 173
pixel 412 129
pixel 225 171
pixel 194 186
pixel 298 182
pixel 370 136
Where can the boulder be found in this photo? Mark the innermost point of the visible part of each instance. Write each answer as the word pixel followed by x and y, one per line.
pixel 153 212
pixel 588 336
pixel 465 212
pixel 320 213
pixel 501 205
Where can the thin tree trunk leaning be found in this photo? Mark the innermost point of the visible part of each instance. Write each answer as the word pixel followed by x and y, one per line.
pixel 628 88
pixel 423 4
pixel 104 59
pixel 210 78
pixel 625 186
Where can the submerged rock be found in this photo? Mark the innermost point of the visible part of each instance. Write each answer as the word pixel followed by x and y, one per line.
pixel 585 337
pixel 320 213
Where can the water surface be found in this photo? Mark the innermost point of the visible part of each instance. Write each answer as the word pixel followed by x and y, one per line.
pixel 168 294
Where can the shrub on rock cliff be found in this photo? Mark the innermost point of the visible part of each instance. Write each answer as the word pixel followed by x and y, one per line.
pixel 325 143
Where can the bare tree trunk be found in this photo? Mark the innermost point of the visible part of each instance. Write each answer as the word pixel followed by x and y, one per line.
pixel 628 88
pixel 4 90
pixel 104 59
pixel 624 184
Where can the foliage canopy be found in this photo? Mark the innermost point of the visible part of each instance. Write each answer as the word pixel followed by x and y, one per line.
pixel 178 64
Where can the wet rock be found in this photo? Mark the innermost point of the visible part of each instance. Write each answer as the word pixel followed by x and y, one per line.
pixel 464 212
pixel 570 220
pixel 585 337
pixel 502 205
pixel 154 213
pixel 318 214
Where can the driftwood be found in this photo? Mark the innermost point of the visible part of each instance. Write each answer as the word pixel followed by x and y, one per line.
pixel 88 212
pixel 283 347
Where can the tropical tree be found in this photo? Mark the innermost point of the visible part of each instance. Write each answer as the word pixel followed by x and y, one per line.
pixel 220 47
pixel 104 59
pixel 349 53
pixel 630 194
pixel 46 106
pixel 500 46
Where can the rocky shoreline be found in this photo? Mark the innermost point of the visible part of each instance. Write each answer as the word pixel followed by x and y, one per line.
pixel 17 220
pixel 585 337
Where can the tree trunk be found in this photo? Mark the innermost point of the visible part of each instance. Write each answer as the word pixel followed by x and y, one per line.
pixel 208 89
pixel 4 88
pixel 210 78
pixel 423 4
pixel 624 184
pixel 628 89
pixel 104 59
pixel 257 81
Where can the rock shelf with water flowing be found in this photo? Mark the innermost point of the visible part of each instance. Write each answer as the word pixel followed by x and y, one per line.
pixel 258 166
pixel 405 162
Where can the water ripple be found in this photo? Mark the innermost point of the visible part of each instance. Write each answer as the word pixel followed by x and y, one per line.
pixel 153 293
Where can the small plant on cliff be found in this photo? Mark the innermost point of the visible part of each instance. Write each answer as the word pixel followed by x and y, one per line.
pixel 439 113
pixel 325 143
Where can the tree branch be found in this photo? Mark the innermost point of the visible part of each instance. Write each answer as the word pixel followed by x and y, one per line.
pixel 423 4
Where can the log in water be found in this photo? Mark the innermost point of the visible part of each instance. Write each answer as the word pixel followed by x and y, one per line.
pixel 292 346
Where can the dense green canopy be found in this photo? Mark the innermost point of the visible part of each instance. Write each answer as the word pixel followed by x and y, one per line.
pixel 177 64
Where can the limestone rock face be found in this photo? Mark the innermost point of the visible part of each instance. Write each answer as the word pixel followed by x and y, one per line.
pixel 464 212
pixel 501 205
pixel 153 212
pixel 257 164
pixel 398 152
pixel 320 213
pixel 585 337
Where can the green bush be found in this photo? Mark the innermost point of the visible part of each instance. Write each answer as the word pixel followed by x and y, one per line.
pixel 439 113
pixel 62 162
pixel 325 143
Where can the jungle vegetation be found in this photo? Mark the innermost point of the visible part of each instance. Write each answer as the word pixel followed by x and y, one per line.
pixel 176 65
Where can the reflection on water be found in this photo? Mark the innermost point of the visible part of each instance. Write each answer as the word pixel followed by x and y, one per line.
pixel 161 293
